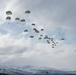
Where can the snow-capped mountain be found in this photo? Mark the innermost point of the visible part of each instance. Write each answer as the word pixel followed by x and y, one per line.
pixel 30 70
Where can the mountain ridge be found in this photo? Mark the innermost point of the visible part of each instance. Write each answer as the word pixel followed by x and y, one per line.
pixel 30 70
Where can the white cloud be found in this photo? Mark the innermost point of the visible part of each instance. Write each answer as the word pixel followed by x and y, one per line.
pixel 50 15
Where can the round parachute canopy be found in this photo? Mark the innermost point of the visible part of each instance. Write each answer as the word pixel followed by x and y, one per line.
pixel 51 39
pixel 56 42
pixel 17 19
pixel 8 18
pixel 36 30
pixel 25 30
pixel 42 29
pixel 52 45
pixel 23 20
pixel 8 12
pixel 46 37
pixel 48 41
pixel 31 36
pixel 53 42
pixel 33 24
pixel 27 12
pixel 39 38
pixel 62 39
pixel 41 35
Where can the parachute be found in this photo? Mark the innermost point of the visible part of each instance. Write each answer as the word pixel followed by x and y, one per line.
pixel 8 13
pixel 36 30
pixel 51 39
pixel 52 45
pixel 25 30
pixel 33 24
pixel 41 36
pixel 8 18
pixel 62 39
pixel 56 42
pixel 27 12
pixel 48 41
pixel 31 36
pixel 22 20
pixel 53 42
pixel 17 19
pixel 42 29
pixel 46 37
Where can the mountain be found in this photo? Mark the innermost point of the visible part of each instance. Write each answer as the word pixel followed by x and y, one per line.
pixel 30 70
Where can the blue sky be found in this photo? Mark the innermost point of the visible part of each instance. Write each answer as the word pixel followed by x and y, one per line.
pixel 57 17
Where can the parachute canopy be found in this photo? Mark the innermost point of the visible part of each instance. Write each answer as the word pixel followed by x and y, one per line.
pixel 33 24
pixel 22 20
pixel 8 18
pixel 48 41
pixel 41 35
pixel 62 38
pixel 25 30
pixel 40 38
pixel 31 36
pixel 27 12
pixel 17 19
pixel 52 45
pixel 46 37
pixel 51 39
pixel 8 12
pixel 36 30
pixel 42 29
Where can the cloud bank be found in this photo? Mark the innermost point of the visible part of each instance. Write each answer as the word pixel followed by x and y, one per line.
pixel 57 17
